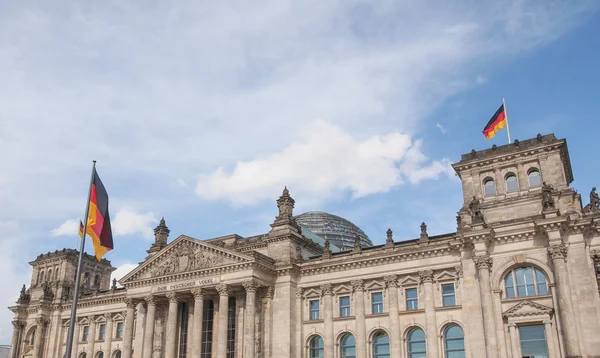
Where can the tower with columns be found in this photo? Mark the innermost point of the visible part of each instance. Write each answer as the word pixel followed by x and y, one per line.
pixel 517 278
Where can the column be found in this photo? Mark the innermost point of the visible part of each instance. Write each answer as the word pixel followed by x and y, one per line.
pixel 500 334
pixel 430 322
pixel 149 327
pixel 91 336
pixel 16 338
pixel 108 334
pixel 76 338
pixel 391 282
pixel 327 293
pixel 514 340
pixel 171 335
pixel 268 321
pixel 39 330
pixel 249 321
pixel 549 338
pixel 558 254
pixel 361 329
pixel 222 333
pixel 137 346
pixel 128 334
pixel 299 319
pixel 484 264
pixel 197 324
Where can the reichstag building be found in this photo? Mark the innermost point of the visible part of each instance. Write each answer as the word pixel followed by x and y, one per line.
pixel 518 278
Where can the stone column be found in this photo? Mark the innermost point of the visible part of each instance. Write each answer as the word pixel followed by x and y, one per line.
pixel 299 319
pixel 108 334
pixel 149 327
pixel 391 282
pixel 198 311
pixel 361 329
pixel 549 339
pixel 500 333
pixel 16 338
pixel 558 253
pixel 268 321
pixel 171 335
pixel 327 293
pixel 250 320
pixel 91 336
pixel 430 322
pixel 76 337
pixel 514 340
pixel 128 334
pixel 137 346
pixel 484 264
pixel 40 323
pixel 222 333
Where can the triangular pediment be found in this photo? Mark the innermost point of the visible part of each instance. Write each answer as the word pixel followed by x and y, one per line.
pixel 185 254
pixel 527 308
pixel 445 276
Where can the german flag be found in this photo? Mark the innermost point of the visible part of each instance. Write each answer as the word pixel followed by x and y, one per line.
pixel 98 225
pixel 80 229
pixel 497 122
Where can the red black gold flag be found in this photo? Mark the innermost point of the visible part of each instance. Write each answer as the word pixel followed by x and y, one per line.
pixel 98 225
pixel 497 122
pixel 80 229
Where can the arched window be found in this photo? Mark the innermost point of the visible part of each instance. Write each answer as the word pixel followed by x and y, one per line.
pixel 525 281
pixel 49 275
pixel 100 355
pixel 41 277
pixel 83 355
pixel 512 183
pixel 381 345
pixel 416 344
pixel 489 186
pixel 86 278
pixel 454 342
pixel 317 348
pixel 32 337
pixel 56 274
pixel 348 346
pixel 534 177
pixel 97 281
pixel 117 354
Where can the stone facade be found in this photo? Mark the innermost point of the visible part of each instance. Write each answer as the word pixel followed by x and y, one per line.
pixel 518 276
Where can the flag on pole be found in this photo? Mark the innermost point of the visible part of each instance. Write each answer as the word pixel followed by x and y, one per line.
pixel 80 229
pixel 497 122
pixel 98 225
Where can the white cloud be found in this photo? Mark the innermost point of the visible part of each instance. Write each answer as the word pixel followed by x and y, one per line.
pixel 121 271
pixel 129 222
pixel 68 228
pixel 324 162
pixel 441 128
pixel 480 79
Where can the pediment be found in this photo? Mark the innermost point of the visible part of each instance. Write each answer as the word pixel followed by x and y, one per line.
pixel 374 285
pixel 445 276
pixel 185 254
pixel 409 281
pixel 527 308
pixel 343 288
pixel 312 292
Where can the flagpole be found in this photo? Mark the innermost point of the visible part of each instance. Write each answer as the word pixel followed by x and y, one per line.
pixel 506 117
pixel 78 272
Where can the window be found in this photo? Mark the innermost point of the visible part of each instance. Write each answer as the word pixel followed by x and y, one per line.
pixel 49 277
pixel 529 282
pixel 86 278
pixel 348 346
pixel 208 312
pixel 119 333
pixel 83 355
pixel 100 355
pixel 534 177
pixel 230 329
pixel 489 187
pixel 183 328
pixel 97 281
pixel 41 276
pixel 314 310
pixel 533 341
pixel 511 183
pixel 377 302
pixel 345 306
pixel 84 336
pixel 32 337
pixel 454 342
pixel 412 300
pixel 448 297
pixel 416 344
pixel 101 331
pixel 317 349
pixel 381 345
pixel 117 354
pixel 56 273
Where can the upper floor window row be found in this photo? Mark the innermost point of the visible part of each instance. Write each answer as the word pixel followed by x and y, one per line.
pixel 511 182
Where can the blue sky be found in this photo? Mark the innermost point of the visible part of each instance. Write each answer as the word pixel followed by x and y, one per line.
pixel 202 113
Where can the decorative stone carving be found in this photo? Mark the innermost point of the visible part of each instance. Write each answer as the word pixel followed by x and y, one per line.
pixel 527 308
pixel 357 285
pixel 594 202
pixel 47 295
pixel 198 293
pixel 250 285
pixel 270 292
pixel 285 204
pixel 391 280
pixel 299 292
pixel 223 289
pixel 389 242
pixel 24 296
pixel 547 199
pixel 424 235
pixel 172 297
pixel 426 276
pixel 475 211
pixel 114 284
pixel 108 316
pixel 356 249
pixel 326 250
pixel 483 262
pixel 557 251
pixel 459 270
pixel 41 321
pixel 326 289
pixel 185 258
pixel 459 224
pixel 130 303
pixel 18 324
pixel 150 300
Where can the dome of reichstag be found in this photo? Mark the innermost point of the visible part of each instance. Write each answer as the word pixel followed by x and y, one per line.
pixel 339 231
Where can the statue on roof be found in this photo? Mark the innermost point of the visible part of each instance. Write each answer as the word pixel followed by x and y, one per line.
pixel 424 235
pixel 594 199
pixel 285 204
pixel 547 199
pixel 475 211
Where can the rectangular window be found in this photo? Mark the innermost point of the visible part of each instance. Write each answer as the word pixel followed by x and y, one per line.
pixel 314 309
pixel 101 331
pixel 448 296
pixel 207 328
pixel 119 333
pixel 412 299
pixel 84 336
pixel 345 306
pixel 231 328
pixel 183 329
pixel 533 341
pixel 377 302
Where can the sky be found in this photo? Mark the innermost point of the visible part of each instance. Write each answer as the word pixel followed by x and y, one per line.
pixel 202 112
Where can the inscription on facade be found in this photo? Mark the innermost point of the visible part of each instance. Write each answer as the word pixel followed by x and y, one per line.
pixel 186 285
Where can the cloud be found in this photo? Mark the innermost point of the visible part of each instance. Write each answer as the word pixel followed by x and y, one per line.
pixel 325 161
pixel 441 128
pixel 480 79
pixel 68 228
pixel 121 271
pixel 129 222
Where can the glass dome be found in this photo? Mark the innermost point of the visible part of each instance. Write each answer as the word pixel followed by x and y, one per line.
pixel 339 231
